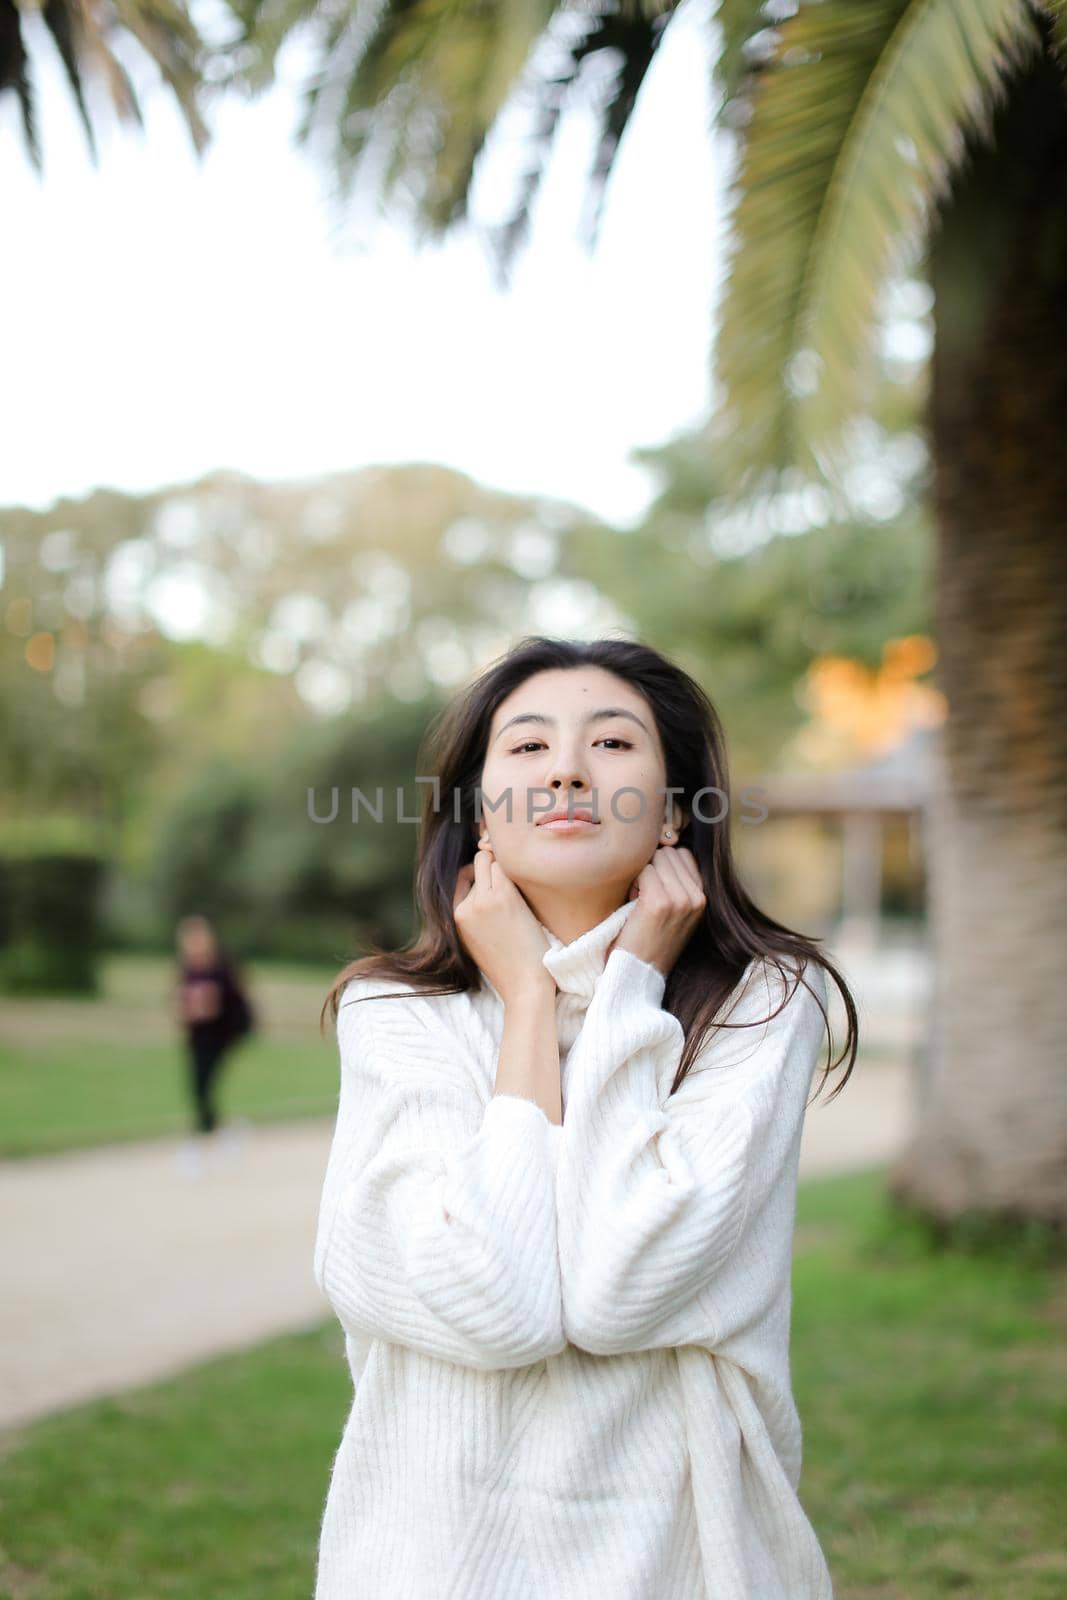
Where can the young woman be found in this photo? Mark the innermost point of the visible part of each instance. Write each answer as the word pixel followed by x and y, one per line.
pixel 557 1216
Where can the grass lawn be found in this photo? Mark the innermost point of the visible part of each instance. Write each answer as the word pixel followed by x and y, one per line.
pixel 932 1392
pixel 83 1072
pixel 80 1072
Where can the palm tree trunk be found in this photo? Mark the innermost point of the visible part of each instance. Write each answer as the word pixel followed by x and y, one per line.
pixel 991 1131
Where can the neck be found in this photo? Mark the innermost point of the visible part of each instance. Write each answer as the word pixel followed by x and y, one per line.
pixel 569 916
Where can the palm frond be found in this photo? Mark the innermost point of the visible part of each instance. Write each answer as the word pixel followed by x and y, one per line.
pixel 858 121
pixel 408 91
pixel 1057 10
pixel 14 75
pixel 634 40
pixel 82 33
pixel 740 22
pixel 251 55
pixel 508 237
pixel 60 22
pixel 168 34
pixel 632 36
pixel 74 37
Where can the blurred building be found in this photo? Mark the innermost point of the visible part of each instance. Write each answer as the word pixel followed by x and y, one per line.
pixel 863 803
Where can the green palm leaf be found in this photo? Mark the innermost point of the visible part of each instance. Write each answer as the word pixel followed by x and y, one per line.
pixel 15 76
pixel 166 31
pixel 738 22
pixel 406 94
pixel 858 121
pixel 407 91
pixel 632 38
pixel 82 35
pixel 1057 10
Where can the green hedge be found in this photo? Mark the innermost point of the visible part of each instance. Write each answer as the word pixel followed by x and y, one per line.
pixel 52 872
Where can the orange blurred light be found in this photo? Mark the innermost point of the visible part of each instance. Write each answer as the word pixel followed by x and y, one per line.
pixel 41 651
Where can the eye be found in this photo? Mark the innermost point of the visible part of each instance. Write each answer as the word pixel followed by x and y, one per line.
pixel 529 744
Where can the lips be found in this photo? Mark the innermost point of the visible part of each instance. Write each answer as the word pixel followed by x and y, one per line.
pixel 568 816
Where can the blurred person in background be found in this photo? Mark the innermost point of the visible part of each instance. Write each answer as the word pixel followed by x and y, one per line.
pixel 216 1013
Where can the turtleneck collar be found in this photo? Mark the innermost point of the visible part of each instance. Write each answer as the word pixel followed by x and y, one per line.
pixel 577 966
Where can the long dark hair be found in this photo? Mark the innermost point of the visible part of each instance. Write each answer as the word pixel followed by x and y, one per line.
pixel 734 930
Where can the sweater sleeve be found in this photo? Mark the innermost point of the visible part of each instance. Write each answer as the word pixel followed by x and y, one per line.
pixel 656 1192
pixel 437 1226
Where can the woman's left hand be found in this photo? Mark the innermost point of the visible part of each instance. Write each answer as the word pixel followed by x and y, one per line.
pixel 670 903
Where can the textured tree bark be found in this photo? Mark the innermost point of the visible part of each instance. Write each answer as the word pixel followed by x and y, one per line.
pixel 992 1117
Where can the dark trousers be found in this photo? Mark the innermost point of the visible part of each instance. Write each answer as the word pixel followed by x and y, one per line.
pixel 205 1060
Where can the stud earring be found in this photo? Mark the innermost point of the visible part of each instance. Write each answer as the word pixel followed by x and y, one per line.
pixel 667 834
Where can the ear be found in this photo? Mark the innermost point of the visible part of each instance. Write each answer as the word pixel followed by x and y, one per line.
pixel 680 820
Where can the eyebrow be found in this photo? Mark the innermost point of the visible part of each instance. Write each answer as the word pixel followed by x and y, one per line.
pixel 594 716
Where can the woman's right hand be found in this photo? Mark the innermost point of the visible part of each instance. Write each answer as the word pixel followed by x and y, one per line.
pixel 497 928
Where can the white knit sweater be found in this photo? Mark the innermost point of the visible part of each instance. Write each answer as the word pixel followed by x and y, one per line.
pixel 569 1345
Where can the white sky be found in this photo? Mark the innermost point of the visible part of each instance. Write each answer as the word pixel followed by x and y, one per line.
pixel 166 317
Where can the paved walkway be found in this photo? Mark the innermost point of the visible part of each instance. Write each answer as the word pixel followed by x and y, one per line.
pixel 120 1268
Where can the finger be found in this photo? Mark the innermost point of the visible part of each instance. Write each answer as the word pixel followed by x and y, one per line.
pixel 670 873
pixel 687 861
pixel 464 885
pixel 651 886
pixel 483 870
pixel 680 885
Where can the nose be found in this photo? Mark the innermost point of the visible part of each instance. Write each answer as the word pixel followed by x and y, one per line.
pixel 568 775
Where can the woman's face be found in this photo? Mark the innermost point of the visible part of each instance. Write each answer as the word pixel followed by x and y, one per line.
pixel 198 945
pixel 566 750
